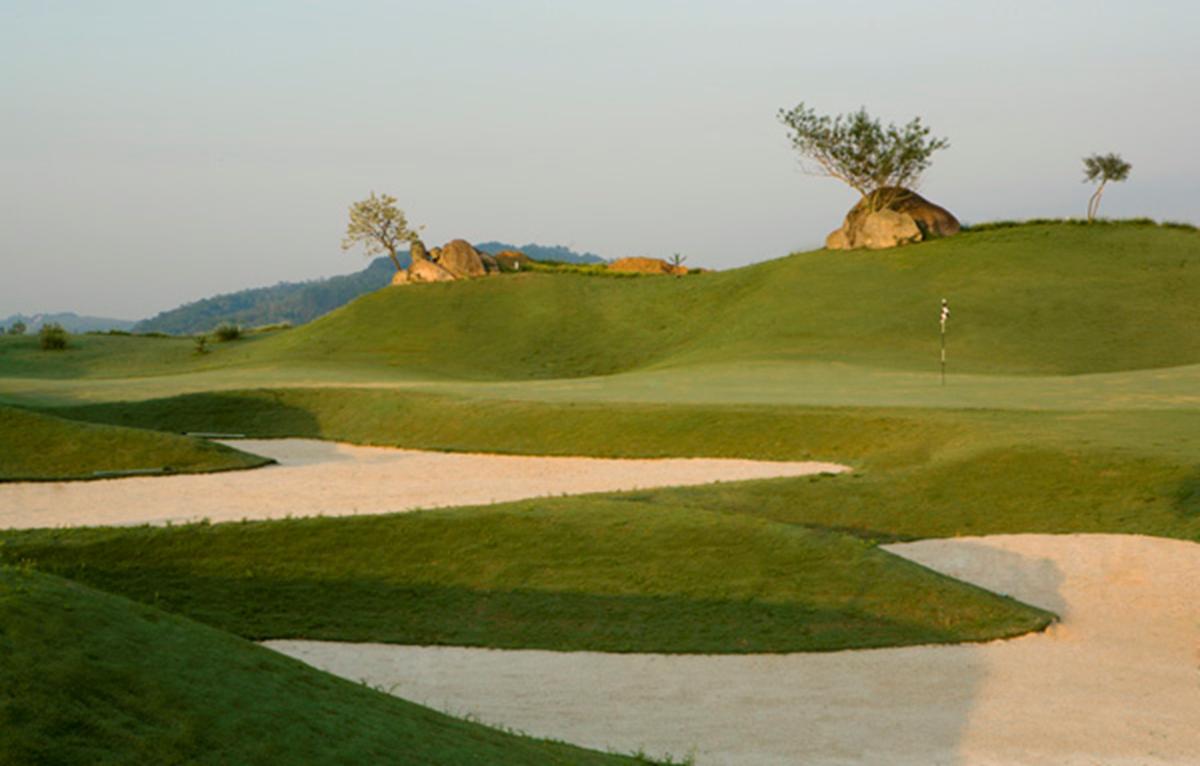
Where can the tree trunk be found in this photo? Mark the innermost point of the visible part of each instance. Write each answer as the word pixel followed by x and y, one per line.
pixel 395 259
pixel 1094 202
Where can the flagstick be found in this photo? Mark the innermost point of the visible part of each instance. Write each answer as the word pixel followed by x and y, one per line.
pixel 942 320
pixel 943 355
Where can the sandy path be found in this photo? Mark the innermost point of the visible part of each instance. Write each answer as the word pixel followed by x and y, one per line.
pixel 315 477
pixel 1116 682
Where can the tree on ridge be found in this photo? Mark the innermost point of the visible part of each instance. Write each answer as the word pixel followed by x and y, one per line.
pixel 380 226
pixel 1102 168
pixel 878 162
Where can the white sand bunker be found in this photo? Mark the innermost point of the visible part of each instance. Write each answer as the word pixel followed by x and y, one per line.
pixel 1116 682
pixel 315 478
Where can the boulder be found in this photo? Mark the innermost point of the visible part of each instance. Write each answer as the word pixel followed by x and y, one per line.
pixel 886 228
pixel 417 250
pixel 837 240
pixel 490 264
pixel 428 271
pixel 460 259
pixel 512 260
pixel 400 278
pixel 902 211
pixel 641 265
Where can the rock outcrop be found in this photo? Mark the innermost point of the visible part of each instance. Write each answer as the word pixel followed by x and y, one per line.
pixel 904 217
pixel 456 259
pixel 426 270
pixel 641 265
pixel 460 259
pixel 512 260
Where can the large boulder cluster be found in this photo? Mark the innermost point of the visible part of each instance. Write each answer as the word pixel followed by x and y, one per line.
pixel 456 259
pixel 903 217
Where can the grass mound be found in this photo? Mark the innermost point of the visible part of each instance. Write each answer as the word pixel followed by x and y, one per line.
pixel 1038 299
pixel 431 421
pixel 91 678
pixel 39 446
pixel 585 573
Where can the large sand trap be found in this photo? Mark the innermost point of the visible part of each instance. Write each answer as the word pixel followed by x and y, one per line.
pixel 315 477
pixel 1115 682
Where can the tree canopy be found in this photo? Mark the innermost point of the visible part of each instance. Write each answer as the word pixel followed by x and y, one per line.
pixel 1103 168
pixel 861 152
pixel 379 226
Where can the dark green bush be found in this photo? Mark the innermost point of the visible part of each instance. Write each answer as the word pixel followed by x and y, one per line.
pixel 228 331
pixel 52 337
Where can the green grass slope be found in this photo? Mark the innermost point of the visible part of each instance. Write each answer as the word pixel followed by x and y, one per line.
pixel 91 678
pixel 590 573
pixel 1038 299
pixel 39 446
pixel 1034 300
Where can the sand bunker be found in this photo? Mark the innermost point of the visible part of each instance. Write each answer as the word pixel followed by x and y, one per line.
pixel 315 478
pixel 1117 681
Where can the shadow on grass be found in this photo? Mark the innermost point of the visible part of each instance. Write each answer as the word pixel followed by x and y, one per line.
pixel 252 413
pixel 1187 499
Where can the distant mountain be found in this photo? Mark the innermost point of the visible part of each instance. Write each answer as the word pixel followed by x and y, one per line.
pixel 294 302
pixel 300 302
pixel 70 321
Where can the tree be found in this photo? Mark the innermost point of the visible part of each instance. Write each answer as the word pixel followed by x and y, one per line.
pixel 52 337
pixel 17 328
pixel 1102 168
pixel 877 162
pixel 677 264
pixel 380 226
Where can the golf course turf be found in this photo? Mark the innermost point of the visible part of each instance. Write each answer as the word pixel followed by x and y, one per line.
pixel 92 678
pixel 1070 407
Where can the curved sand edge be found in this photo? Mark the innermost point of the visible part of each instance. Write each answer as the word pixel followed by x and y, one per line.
pixel 327 478
pixel 1115 682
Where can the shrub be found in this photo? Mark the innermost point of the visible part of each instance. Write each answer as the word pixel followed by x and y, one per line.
pixel 227 332
pixel 201 344
pixel 18 328
pixel 52 337
pixel 1181 225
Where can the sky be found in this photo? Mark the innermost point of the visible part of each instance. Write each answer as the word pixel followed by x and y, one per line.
pixel 159 152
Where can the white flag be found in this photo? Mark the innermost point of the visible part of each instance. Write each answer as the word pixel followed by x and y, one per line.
pixel 945 313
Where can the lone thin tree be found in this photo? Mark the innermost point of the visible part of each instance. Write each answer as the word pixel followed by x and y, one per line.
pixel 1102 168
pixel 677 264
pixel 380 226
pixel 876 161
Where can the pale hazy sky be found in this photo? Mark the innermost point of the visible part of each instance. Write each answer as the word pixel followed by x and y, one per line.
pixel 158 152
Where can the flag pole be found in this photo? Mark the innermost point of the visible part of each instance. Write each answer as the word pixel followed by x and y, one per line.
pixel 943 355
pixel 945 315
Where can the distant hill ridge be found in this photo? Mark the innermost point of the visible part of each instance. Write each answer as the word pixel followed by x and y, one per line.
pixel 70 321
pixel 301 302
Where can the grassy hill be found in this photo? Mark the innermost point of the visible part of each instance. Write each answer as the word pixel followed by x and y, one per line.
pixel 1030 301
pixel 39 446
pixel 300 302
pixel 1033 300
pixel 91 678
